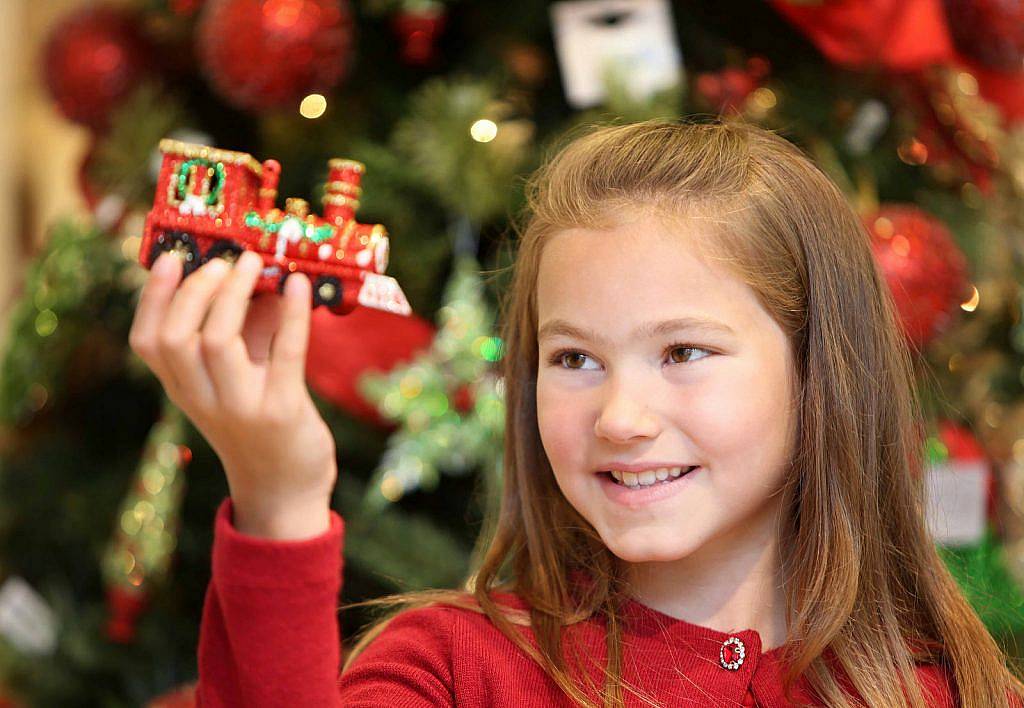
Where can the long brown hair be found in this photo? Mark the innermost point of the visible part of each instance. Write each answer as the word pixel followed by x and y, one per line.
pixel 867 594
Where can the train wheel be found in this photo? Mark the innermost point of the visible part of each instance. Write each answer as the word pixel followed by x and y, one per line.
pixel 326 291
pixel 181 243
pixel 228 250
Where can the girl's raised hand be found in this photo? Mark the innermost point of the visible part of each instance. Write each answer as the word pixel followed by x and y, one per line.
pixel 235 366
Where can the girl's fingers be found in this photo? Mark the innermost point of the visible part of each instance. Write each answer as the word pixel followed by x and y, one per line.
pixel 261 324
pixel 150 314
pixel 286 373
pixel 223 350
pixel 180 332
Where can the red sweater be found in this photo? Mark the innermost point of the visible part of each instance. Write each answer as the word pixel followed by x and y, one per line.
pixel 269 637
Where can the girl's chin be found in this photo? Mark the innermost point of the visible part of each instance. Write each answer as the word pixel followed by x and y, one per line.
pixel 646 550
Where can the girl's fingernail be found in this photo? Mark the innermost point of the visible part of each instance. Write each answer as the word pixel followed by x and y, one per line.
pixel 295 285
pixel 251 259
pixel 163 264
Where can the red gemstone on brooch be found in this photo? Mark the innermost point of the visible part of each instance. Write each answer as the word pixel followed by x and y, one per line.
pixel 732 653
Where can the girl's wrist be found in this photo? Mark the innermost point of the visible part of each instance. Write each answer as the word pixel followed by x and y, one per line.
pixel 288 524
pixel 281 519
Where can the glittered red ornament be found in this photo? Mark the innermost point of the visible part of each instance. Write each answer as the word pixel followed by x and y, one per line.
pixel 94 58
pixel 729 88
pixel 925 269
pixel 417 31
pixel 123 610
pixel 342 349
pixel 261 54
pixel 989 31
pixel 463 399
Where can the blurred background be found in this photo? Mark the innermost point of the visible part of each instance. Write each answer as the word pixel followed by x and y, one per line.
pixel 107 495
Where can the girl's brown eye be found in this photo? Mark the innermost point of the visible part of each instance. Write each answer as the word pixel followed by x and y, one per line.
pixel 690 351
pixel 569 355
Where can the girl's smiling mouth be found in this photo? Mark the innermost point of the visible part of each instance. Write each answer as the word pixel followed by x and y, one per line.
pixel 629 491
pixel 648 477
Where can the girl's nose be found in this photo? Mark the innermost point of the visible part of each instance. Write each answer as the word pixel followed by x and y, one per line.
pixel 624 418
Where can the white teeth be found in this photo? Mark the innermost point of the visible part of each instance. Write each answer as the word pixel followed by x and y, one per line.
pixel 648 477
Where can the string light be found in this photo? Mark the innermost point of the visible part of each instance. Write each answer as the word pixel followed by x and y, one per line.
pixel 46 323
pixel 313 106
pixel 972 303
pixel 130 248
pixel 483 130
pixel 913 152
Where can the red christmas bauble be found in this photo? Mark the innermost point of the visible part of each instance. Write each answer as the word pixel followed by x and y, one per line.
pixel 91 192
pixel 418 31
pixel 261 54
pixel 895 35
pixel 1003 89
pixel 123 610
pixel 184 8
pixel 183 696
pixel 729 88
pixel 92 60
pixel 463 399
pixel 990 31
pixel 341 349
pixel 924 267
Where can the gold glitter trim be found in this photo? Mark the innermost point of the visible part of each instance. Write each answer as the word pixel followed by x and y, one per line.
pixel 337 163
pixel 340 200
pixel 347 234
pixel 344 187
pixel 193 151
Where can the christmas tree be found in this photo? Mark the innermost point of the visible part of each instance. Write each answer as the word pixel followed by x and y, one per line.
pixel 107 495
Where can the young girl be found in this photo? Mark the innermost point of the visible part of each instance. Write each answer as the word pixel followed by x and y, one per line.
pixel 712 491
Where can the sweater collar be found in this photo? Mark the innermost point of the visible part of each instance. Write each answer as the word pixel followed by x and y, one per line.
pixel 641 621
pixel 647 622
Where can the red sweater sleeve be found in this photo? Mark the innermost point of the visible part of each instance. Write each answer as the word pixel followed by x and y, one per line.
pixel 269 634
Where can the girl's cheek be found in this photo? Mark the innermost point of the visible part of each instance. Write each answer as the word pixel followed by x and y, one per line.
pixel 561 418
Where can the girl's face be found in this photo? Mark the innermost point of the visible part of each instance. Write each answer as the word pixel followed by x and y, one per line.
pixel 629 378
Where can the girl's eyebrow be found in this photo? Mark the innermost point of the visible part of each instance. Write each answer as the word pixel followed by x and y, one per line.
pixel 553 328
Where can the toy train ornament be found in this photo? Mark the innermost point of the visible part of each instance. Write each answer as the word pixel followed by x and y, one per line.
pixel 213 203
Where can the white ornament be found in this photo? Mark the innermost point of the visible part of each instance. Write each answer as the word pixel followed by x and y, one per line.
pixel 634 38
pixel 325 251
pixel 867 126
pixel 290 231
pixel 193 204
pixel 364 257
pixel 380 254
pixel 383 292
pixel 956 501
pixel 26 619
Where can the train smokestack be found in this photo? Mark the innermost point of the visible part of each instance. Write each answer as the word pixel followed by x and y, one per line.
pixel 342 192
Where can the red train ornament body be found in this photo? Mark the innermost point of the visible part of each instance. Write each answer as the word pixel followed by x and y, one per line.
pixel 213 203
